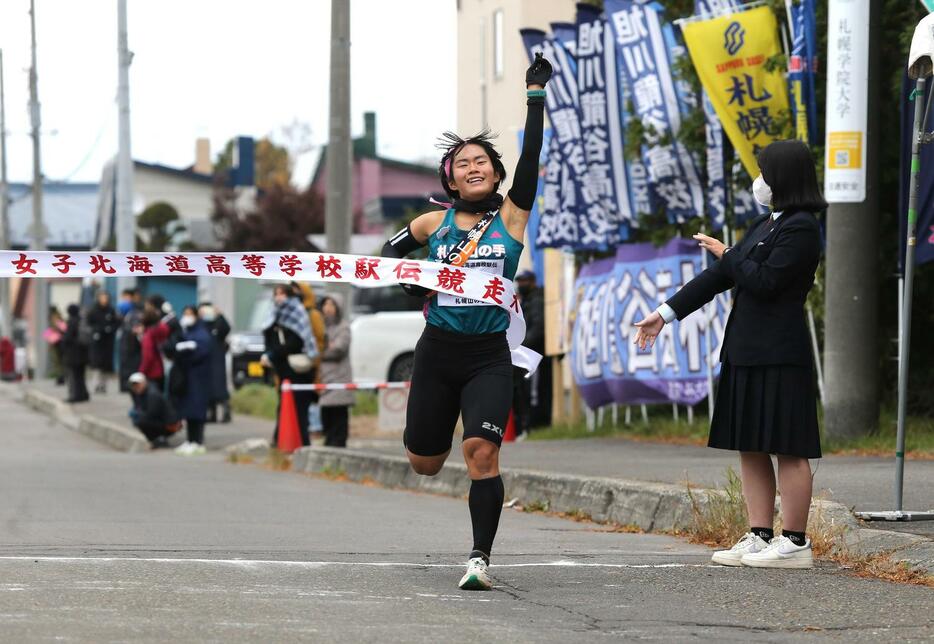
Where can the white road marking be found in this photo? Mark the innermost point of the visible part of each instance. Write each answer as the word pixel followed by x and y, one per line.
pixel 321 564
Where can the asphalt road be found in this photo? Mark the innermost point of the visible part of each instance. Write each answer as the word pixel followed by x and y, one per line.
pixel 102 546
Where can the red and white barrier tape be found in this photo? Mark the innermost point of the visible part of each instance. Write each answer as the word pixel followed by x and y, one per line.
pixel 345 386
pixel 365 271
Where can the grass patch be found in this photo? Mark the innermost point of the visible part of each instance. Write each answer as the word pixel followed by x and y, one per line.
pixel 662 428
pixel 367 404
pixel 255 400
pixel 240 459
pixel 719 516
pixel 919 438
pixel 261 401
pixel 279 461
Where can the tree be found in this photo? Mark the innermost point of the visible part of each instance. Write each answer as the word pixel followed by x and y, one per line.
pixel 159 229
pixel 280 219
pixel 272 163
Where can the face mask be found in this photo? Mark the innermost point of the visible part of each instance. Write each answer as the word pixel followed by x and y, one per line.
pixel 207 315
pixel 762 192
pixel 524 290
pixel 124 307
pixel 187 321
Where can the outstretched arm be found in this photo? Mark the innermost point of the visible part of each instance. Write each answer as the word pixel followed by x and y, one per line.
pixel 521 195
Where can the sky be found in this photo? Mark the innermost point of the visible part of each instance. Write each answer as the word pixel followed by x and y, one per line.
pixel 218 69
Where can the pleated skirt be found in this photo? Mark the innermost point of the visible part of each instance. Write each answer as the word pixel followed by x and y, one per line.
pixel 771 409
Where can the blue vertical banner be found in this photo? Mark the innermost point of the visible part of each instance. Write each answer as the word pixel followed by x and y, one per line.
pixel 566 35
pixel 802 71
pixel 558 218
pixel 605 180
pixel 570 218
pixel 648 47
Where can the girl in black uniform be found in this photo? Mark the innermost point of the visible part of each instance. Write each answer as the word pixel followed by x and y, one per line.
pixel 766 402
pixel 462 361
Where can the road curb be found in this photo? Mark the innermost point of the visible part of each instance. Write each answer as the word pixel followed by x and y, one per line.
pixel 650 506
pixel 103 431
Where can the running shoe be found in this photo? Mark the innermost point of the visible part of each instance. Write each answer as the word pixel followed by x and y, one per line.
pixel 781 553
pixel 184 449
pixel 750 543
pixel 476 577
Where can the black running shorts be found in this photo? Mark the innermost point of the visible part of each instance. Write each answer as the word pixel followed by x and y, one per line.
pixel 458 374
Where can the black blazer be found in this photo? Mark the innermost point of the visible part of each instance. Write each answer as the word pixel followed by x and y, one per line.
pixel 772 270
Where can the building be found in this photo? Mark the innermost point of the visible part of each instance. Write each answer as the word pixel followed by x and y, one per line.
pixel 384 190
pixel 69 214
pixel 491 64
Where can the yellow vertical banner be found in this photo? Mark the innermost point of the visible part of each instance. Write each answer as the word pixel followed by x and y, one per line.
pixel 729 54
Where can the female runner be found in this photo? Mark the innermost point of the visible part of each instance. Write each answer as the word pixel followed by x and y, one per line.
pixel 462 362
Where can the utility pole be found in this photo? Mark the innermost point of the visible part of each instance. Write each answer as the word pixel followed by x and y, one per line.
pixel 851 354
pixel 39 286
pixel 125 224
pixel 6 306
pixel 338 214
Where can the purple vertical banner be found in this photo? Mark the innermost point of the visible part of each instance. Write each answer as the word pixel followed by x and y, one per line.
pixel 646 46
pixel 605 179
pixel 612 295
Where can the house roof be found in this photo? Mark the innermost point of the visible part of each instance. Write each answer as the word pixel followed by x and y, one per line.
pixel 69 213
pixel 366 154
pixel 182 173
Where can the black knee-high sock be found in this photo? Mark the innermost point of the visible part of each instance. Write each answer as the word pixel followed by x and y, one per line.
pixel 486 504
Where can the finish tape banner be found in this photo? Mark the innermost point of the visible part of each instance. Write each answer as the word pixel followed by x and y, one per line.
pixel 364 271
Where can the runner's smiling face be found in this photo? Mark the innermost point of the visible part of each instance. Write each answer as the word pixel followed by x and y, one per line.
pixel 473 175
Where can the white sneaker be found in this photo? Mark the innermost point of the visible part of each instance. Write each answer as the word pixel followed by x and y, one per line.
pixel 750 543
pixel 781 553
pixel 476 577
pixel 197 449
pixel 184 449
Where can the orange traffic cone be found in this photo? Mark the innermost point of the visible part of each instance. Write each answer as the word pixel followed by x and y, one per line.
pixel 289 437
pixel 510 434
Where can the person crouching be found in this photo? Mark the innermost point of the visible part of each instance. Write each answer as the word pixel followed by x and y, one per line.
pixel 152 413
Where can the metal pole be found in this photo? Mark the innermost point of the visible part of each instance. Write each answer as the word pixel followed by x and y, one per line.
pixel 39 286
pixel 125 224
pixel 710 311
pixel 338 217
pixel 814 347
pixel 905 344
pixel 6 306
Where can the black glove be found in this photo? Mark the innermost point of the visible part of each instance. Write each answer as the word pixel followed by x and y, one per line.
pixel 539 72
pixel 415 290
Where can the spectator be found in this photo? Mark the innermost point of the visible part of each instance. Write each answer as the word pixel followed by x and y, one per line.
pixel 291 351
pixel 155 334
pixel 219 328
pixel 75 342
pixel 306 294
pixel 335 368
pixel 152 412
pixel 102 318
pixel 53 335
pixel 532 396
pixel 189 347
pixel 130 347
